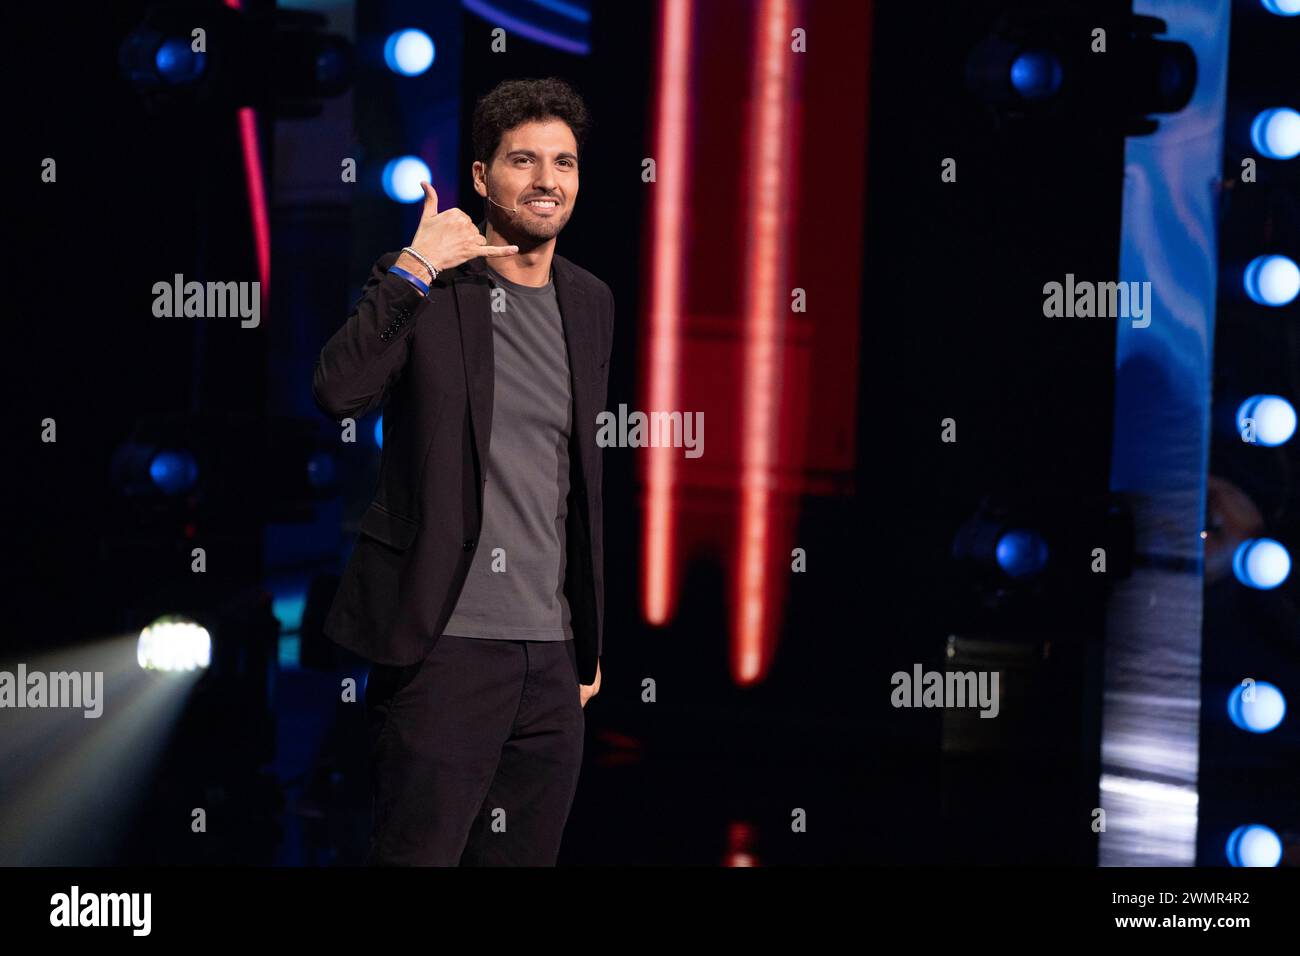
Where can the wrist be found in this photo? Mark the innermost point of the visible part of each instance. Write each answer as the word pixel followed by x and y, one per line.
pixel 410 277
pixel 413 265
pixel 427 266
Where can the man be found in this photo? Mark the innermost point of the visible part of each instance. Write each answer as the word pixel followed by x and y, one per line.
pixel 477 583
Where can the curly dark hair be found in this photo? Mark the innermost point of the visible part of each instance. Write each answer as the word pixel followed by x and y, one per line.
pixel 512 102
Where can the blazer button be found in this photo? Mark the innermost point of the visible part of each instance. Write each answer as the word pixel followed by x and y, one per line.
pixel 469 544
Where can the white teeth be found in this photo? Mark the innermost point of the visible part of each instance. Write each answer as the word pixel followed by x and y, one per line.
pixel 544 203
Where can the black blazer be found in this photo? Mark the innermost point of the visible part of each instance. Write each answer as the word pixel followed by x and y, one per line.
pixel 429 362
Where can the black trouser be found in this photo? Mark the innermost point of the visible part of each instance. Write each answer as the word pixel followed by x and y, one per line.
pixel 475 753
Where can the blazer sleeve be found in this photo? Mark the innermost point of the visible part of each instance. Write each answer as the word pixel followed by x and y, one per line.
pixel 366 355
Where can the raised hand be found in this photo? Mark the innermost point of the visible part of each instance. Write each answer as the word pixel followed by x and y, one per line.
pixel 447 238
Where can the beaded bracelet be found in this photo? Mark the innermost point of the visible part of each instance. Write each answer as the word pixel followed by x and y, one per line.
pixel 433 273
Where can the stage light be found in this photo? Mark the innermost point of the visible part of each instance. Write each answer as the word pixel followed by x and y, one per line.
pixel 379 431
pixel 174 643
pixel 402 178
pixel 1260 715
pixel 1254 845
pixel 1021 553
pixel 174 472
pixel 409 52
pixel 1036 74
pixel 287 606
pixel 561 24
pixel 333 66
pixel 1276 133
pixel 178 63
pixel 321 470
pixel 1274 418
pixel 1026 70
pixel 665 307
pixel 1261 563
pixel 1272 280
pixel 159 59
pixel 1283 8
pixel 276 59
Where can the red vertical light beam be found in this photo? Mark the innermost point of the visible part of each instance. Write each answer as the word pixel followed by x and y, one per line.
pixel 666 299
pixel 762 343
pixel 256 189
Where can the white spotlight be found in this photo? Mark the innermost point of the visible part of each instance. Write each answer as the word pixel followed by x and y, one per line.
pixel 174 643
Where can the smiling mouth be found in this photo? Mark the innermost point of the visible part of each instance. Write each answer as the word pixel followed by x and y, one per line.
pixel 542 204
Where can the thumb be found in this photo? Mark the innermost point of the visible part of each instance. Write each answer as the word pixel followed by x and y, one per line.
pixel 430 200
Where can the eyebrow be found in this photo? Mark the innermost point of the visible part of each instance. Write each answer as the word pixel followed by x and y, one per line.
pixel 532 155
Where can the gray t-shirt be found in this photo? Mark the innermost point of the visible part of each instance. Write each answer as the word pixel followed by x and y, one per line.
pixel 517 592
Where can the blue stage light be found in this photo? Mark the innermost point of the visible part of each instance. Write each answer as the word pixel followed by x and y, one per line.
pixel 1036 74
pixel 409 52
pixel 1283 8
pixel 321 470
pixel 1261 563
pixel 1274 418
pixel 1021 553
pixel 402 178
pixel 1276 133
pixel 379 432
pixel 1272 280
pixel 1254 845
pixel 1260 715
pixel 333 65
pixel 288 606
pixel 174 472
pixel 177 62
pixel 572 11
pixel 515 17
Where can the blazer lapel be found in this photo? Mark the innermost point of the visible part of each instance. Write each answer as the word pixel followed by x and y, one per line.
pixel 474 313
pixel 580 340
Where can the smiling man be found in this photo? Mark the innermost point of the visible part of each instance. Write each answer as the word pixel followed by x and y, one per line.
pixel 477 584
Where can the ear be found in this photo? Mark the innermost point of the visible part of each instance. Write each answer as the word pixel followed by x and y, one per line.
pixel 478 172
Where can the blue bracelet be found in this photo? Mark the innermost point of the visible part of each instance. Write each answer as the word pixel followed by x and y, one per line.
pixel 411 278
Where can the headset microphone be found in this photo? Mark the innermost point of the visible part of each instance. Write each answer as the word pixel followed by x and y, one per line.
pixel 507 208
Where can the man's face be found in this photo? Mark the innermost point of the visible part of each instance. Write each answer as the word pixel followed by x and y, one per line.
pixel 535 164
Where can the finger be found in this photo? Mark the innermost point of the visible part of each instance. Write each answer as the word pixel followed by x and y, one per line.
pixel 430 200
pixel 494 252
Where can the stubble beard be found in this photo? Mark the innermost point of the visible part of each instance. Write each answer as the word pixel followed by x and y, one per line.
pixel 520 230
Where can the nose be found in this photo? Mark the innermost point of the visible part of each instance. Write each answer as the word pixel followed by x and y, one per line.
pixel 545 180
